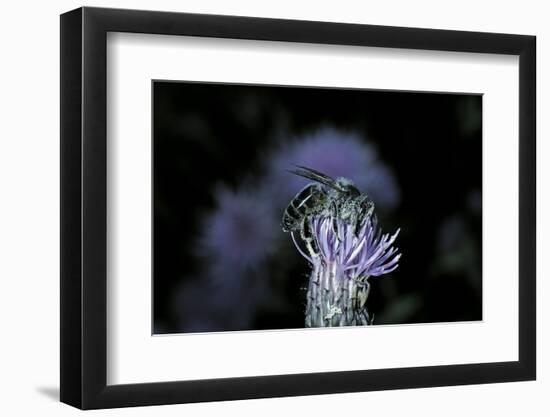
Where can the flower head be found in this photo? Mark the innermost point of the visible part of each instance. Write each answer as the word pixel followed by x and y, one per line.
pixel 358 251
pixel 239 234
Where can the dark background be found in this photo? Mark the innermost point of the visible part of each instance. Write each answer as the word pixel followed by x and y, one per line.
pixel 214 137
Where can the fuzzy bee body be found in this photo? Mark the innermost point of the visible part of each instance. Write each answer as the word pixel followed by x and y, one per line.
pixel 310 200
pixel 338 198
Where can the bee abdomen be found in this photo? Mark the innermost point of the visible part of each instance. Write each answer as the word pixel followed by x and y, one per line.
pixel 303 204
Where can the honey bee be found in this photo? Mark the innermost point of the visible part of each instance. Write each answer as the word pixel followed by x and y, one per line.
pixel 338 198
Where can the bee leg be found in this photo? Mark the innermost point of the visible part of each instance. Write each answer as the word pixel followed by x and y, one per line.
pixel 364 294
pixel 335 215
pixel 353 221
pixel 309 245
pixel 308 240
pixel 356 218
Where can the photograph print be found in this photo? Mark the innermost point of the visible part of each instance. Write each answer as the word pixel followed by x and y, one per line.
pixel 292 207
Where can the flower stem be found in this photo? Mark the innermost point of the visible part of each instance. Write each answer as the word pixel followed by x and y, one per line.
pixel 334 299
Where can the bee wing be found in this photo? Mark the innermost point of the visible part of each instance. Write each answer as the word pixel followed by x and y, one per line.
pixel 315 176
pixel 365 208
pixel 310 196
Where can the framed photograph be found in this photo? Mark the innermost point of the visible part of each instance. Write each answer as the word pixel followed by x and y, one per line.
pixel 258 208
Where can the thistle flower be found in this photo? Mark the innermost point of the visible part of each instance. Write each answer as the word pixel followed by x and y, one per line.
pixel 358 255
pixel 343 256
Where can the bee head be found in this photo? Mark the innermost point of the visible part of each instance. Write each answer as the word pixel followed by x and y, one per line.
pixel 347 186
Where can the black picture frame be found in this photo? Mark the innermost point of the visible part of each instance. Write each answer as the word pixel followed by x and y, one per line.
pixel 84 190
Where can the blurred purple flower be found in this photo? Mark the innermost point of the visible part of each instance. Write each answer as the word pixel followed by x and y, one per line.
pixel 207 305
pixel 336 153
pixel 240 233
